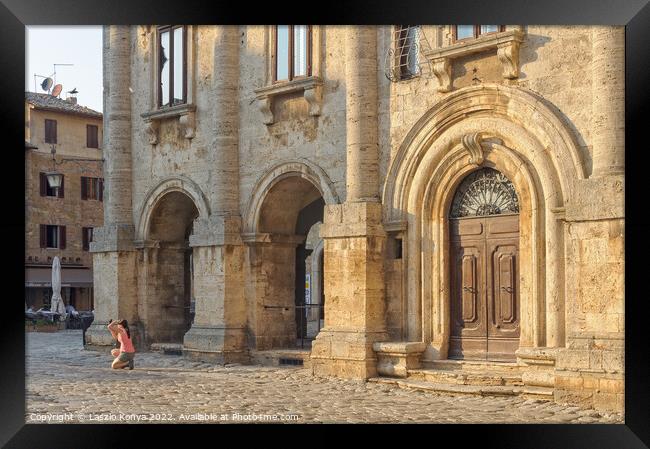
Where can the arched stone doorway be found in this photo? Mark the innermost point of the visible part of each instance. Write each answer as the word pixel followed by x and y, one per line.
pixel 483 127
pixel 165 310
pixel 484 267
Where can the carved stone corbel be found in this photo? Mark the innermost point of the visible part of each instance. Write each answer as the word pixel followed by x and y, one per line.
pixel 314 97
pixel 472 143
pixel 442 70
pixel 152 128
pixel 508 54
pixel 264 103
pixel 188 123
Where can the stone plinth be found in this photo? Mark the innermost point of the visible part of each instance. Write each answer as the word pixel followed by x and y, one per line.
pixel 115 279
pixel 396 358
pixel 539 366
pixel 354 289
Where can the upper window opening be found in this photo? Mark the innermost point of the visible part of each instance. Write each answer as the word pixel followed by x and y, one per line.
pixel 50 131
pixel 92 140
pixel 407 45
pixel 172 65
pixel 292 52
pixel 472 31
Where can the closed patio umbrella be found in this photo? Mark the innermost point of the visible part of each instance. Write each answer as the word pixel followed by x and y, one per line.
pixel 57 301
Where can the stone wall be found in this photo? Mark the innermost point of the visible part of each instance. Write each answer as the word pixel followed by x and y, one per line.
pixel 550 125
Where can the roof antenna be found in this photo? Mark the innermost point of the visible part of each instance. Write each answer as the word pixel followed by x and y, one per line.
pixel 54 75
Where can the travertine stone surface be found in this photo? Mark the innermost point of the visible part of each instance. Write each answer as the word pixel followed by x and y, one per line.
pixel 395 152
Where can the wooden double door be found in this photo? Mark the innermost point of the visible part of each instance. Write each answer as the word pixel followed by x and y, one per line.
pixel 484 287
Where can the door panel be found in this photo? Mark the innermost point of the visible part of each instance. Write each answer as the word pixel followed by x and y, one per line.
pixel 484 287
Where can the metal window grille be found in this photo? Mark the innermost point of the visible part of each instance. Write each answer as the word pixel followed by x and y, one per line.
pixel 404 58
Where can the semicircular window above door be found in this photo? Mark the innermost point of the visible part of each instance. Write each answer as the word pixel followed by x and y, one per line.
pixel 484 192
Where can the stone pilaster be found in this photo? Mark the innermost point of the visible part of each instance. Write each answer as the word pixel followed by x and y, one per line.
pixel 219 329
pixel 114 257
pixel 218 332
pixel 590 370
pixel 354 238
pixel 354 287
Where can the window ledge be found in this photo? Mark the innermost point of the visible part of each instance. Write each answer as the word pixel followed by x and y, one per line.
pixel 312 91
pixel 505 42
pixel 186 114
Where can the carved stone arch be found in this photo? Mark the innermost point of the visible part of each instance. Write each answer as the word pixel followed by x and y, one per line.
pixel 175 183
pixel 300 168
pixel 517 133
pixel 534 118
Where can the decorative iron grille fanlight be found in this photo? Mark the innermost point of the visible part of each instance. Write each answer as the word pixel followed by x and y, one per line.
pixel 484 192
pixel 404 58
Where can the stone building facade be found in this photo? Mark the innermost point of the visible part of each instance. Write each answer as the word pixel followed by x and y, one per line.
pixel 59 222
pixel 466 184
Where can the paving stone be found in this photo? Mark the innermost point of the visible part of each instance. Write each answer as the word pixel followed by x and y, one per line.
pixel 86 384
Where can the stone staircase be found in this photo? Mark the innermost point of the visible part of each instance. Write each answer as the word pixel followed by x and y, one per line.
pixel 469 377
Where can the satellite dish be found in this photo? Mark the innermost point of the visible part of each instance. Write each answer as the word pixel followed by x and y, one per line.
pixel 57 90
pixel 47 84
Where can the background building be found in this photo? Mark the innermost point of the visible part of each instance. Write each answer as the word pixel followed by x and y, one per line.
pixel 59 221
pixel 467 182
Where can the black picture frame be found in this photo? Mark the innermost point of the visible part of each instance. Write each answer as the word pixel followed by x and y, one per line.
pixel 634 14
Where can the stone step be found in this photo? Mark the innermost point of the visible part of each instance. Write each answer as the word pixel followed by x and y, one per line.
pixel 473 365
pixel 462 377
pixel 539 393
pixel 282 357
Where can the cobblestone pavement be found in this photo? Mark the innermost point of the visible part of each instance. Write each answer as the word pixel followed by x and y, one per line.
pixel 66 383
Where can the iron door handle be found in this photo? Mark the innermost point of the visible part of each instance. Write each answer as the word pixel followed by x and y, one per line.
pixel 507 289
pixel 469 289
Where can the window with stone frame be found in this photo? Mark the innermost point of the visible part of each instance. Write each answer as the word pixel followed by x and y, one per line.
pixel 462 32
pixel 292 52
pixel 172 65
pixel 52 236
pixel 92 188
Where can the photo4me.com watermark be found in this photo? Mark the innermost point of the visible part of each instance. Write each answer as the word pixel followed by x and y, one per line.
pixel 232 417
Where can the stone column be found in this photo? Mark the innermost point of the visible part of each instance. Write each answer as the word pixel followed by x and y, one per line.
pixel 353 235
pixel 608 104
pixel 114 256
pixel 219 329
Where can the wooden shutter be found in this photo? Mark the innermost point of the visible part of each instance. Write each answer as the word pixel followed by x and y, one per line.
pixel 91 136
pixel 50 131
pixel 84 188
pixel 60 195
pixel 100 189
pixel 43 183
pixel 61 237
pixel 43 236
pixel 84 238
